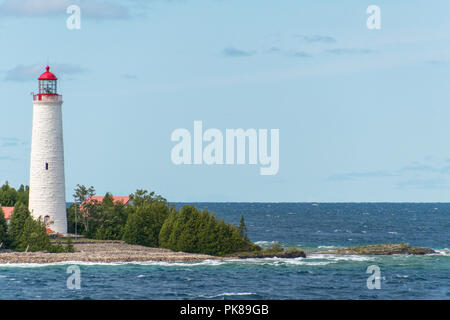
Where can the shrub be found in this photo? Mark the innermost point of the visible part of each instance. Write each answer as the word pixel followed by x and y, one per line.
pixel 199 232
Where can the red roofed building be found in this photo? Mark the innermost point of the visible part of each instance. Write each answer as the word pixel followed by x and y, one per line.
pixel 7 211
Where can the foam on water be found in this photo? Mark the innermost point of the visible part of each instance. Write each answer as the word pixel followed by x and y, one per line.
pixel 226 294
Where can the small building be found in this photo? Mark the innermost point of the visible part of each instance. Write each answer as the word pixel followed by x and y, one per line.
pixel 7 211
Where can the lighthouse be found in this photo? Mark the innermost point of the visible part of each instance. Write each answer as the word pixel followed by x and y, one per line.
pixel 47 183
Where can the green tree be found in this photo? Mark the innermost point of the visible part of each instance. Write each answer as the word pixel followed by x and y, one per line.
pixel 34 237
pixel 23 194
pixel 84 204
pixel 167 227
pixel 19 217
pixel 9 196
pixel 69 246
pixel 243 229
pixel 145 219
pixel 199 232
pixel 4 237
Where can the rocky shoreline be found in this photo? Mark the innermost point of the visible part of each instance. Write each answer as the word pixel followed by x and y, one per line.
pixel 103 252
pixel 119 251
pixel 381 249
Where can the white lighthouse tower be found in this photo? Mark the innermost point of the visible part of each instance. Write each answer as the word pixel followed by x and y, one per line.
pixel 47 183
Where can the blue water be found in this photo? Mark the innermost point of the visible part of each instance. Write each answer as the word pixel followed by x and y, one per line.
pixel 302 225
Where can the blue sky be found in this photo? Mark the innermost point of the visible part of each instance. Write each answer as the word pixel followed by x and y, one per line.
pixel 363 114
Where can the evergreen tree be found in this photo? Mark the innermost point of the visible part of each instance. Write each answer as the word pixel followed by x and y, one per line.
pixel 145 222
pixel 9 196
pixel 243 229
pixel 34 236
pixel 69 245
pixel 199 232
pixel 4 237
pixel 167 228
pixel 19 217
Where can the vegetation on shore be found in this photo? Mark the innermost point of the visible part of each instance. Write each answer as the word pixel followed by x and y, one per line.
pixel 382 249
pixel 274 251
pixel 9 196
pixel 149 220
pixel 27 234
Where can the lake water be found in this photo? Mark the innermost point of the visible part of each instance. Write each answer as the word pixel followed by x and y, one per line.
pixel 302 225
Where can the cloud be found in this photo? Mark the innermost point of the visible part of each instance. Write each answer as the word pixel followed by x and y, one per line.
pixel 433 183
pixel 234 52
pixel 342 51
pixel 317 39
pixel 419 168
pixel 435 62
pixel 273 50
pixel 8 142
pixel 360 175
pixel 32 72
pixel 129 76
pixel 300 54
pixel 94 9
pixel 416 175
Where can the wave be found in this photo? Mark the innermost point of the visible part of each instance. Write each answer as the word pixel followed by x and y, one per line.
pixel 337 258
pixel 264 243
pixel 442 252
pixel 226 294
pixel 313 259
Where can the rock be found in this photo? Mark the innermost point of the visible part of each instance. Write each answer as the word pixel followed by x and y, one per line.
pixel 381 249
pixel 288 254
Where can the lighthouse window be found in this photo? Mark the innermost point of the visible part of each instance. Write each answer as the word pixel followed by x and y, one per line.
pixel 46 166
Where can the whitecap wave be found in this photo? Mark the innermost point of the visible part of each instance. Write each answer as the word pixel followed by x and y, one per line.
pixel 225 294
pixel 442 252
pixel 87 263
pixel 264 243
pixel 336 258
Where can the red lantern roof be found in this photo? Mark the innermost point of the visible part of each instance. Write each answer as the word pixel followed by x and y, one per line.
pixel 48 75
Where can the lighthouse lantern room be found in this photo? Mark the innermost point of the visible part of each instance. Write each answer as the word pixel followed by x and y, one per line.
pixel 48 87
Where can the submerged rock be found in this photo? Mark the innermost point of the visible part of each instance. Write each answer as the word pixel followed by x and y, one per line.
pixel 382 249
pixel 289 254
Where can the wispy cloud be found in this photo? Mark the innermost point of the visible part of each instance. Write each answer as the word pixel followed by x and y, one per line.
pixel 419 168
pixel 416 175
pixel 300 54
pixel 317 39
pixel 360 175
pixel 435 62
pixel 424 183
pixel 95 9
pixel 8 142
pixel 129 76
pixel 234 52
pixel 342 51
pixel 32 72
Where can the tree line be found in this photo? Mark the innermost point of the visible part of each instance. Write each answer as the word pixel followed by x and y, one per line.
pixel 149 220
pixel 146 220
pixel 24 233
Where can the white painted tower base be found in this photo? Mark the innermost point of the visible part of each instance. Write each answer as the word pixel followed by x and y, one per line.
pixel 47 183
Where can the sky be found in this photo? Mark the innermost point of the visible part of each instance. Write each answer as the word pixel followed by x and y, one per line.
pixel 363 115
